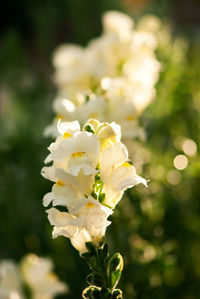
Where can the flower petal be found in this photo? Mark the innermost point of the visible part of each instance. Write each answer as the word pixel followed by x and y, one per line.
pixel 58 218
pixel 113 155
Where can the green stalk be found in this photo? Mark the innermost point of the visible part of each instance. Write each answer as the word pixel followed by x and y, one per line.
pixel 105 275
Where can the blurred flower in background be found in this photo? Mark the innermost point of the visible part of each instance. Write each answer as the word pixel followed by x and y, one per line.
pixel 33 278
pixel 118 69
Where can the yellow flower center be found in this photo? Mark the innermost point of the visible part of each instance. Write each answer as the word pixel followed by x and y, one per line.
pixel 126 164
pixel 130 117
pixel 89 205
pixel 77 155
pixel 67 135
pixel 60 183
pixel 59 116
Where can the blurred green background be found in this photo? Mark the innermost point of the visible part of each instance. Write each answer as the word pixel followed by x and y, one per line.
pixel 157 230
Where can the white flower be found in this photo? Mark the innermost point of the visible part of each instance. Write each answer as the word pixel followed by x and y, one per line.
pixel 149 23
pixel 112 79
pixel 108 134
pixel 79 156
pixel 74 152
pixel 71 68
pixel 88 188
pixel 91 215
pixel 10 281
pixel 87 222
pixel 38 275
pixel 117 22
pixel 117 174
pixel 67 188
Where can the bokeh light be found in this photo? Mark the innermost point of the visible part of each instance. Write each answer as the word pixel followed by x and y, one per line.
pixel 180 162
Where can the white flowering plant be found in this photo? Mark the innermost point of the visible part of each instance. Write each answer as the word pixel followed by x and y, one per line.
pixel 90 170
pixel 32 278
pixel 119 68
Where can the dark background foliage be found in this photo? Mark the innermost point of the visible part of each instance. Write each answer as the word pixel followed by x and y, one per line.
pixel 156 230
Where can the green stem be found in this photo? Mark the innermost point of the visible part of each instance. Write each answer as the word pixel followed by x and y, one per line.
pixel 106 272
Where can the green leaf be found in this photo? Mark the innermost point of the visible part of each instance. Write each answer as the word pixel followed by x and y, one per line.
pixel 115 266
pixel 115 276
pixel 115 263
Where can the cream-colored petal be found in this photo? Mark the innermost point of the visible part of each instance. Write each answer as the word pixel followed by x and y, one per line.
pixel 64 195
pixel 108 134
pixel 112 196
pixel 80 239
pixel 58 218
pixel 112 156
pixel 82 162
pixel 66 54
pixel 48 198
pixel 38 275
pixel 91 212
pixel 10 279
pixel 117 22
pixel 65 148
pixel 49 173
pixel 64 107
pixel 88 143
pixel 125 176
pixel 68 127
pixel 68 231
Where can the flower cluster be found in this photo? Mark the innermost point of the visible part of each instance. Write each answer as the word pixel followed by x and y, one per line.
pixel 117 69
pixel 34 272
pixel 90 171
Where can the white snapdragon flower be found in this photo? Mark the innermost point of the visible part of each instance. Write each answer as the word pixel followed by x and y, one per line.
pixel 92 107
pixel 67 188
pixel 74 152
pixel 149 23
pixel 117 69
pixel 117 174
pixel 33 271
pixel 10 281
pixel 117 22
pixel 88 188
pixel 121 93
pixel 87 222
pixel 38 275
pixel 72 71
